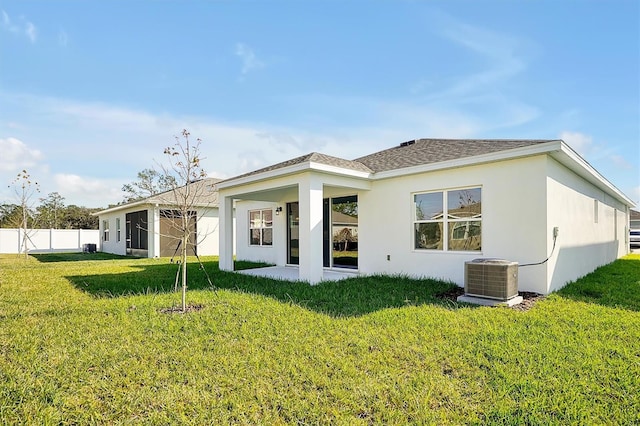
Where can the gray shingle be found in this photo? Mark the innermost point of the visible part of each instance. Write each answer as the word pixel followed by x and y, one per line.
pixel 427 151
pixel 408 154
pixel 315 157
pixel 203 193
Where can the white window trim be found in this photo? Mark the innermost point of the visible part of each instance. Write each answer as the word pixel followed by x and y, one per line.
pixel 261 227
pixel 444 221
pixel 105 229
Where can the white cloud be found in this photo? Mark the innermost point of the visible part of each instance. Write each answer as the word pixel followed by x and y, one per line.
pixel 620 161
pixel 635 196
pixel 63 38
pixel 6 22
pixel 31 31
pixel 28 28
pixel 249 59
pixel 581 143
pixel 477 101
pixel 504 56
pixel 16 155
pixel 94 192
pixel 595 151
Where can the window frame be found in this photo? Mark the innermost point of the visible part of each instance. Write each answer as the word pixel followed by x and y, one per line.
pixel 261 225
pixel 447 222
pixel 105 230
pixel 118 229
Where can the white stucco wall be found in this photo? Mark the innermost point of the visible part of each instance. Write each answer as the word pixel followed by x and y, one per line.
pixel 207 230
pixel 513 209
pixel 113 245
pixel 584 242
pixel 275 253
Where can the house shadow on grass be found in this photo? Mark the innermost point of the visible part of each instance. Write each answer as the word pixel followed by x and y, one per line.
pixel 346 298
pixel 75 257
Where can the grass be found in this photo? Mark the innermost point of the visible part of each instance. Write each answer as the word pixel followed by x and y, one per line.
pixel 82 340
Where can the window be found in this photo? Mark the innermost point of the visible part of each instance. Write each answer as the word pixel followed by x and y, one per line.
pixel 261 227
pixel 105 230
pixel 118 229
pixel 448 220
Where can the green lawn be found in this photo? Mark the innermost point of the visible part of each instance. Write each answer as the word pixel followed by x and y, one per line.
pixel 83 341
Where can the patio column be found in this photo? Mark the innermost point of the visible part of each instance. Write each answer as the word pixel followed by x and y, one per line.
pixel 310 204
pixel 225 224
pixel 153 232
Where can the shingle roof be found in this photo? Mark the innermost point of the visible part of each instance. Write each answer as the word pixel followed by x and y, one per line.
pixel 426 151
pixel 314 157
pixel 204 192
pixel 408 154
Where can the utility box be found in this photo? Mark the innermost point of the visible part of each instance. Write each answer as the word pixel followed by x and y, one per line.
pixel 491 278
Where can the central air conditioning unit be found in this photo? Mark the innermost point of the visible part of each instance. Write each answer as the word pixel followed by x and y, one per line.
pixel 491 278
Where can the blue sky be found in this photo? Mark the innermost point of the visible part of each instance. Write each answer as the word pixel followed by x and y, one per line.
pixel 91 92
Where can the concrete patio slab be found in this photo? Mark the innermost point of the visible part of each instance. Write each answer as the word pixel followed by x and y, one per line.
pixel 291 273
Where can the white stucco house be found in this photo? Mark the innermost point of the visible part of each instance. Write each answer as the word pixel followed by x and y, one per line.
pixel 144 228
pixel 425 207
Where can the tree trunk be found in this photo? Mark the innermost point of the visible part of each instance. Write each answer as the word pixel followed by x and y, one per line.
pixel 184 274
pixel 25 237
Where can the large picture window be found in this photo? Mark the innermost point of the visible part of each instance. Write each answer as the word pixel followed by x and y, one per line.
pixel 448 220
pixel 261 227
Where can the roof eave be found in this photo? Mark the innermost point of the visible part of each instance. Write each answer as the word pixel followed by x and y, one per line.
pixel 291 170
pixel 121 207
pixel 147 202
pixel 574 162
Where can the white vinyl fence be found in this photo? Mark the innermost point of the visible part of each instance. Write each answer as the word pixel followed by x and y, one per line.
pixel 48 240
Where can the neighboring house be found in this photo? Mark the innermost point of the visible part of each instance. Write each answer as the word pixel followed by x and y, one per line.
pixel 425 207
pixel 145 227
pixel 634 219
pixel 634 229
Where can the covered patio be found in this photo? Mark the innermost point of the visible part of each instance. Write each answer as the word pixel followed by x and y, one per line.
pixel 300 238
pixel 292 273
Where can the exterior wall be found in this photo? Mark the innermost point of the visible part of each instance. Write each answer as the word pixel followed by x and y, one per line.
pixel 585 241
pixel 513 207
pixel 207 229
pixel 113 245
pixel 47 240
pixel 208 232
pixel 275 254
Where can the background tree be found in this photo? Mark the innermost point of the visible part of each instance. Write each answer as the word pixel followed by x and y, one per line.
pixel 51 210
pixel 25 189
pixel 150 182
pixel 10 215
pixel 77 217
pixel 186 194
